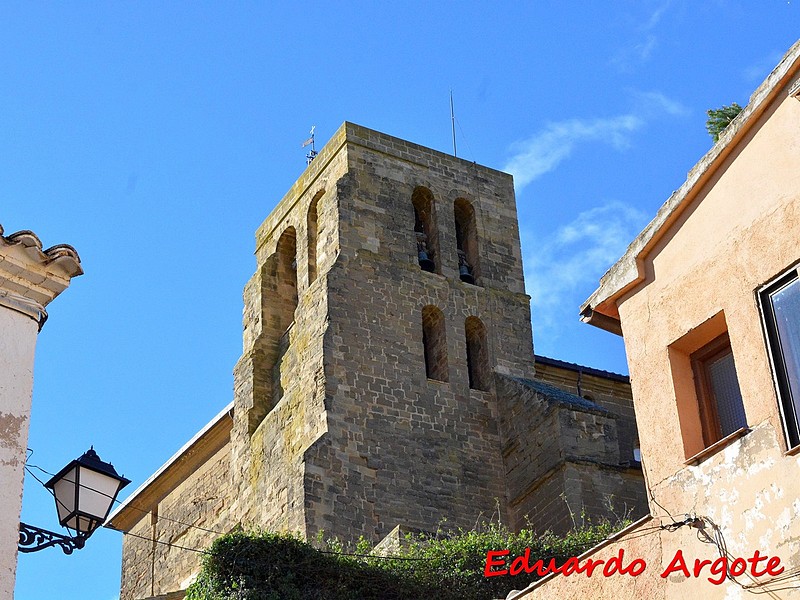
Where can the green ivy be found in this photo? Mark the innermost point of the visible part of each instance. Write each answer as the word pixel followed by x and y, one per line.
pixel 268 566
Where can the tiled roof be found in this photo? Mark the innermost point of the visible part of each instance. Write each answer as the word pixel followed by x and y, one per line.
pixel 64 254
pixel 544 360
pixel 559 396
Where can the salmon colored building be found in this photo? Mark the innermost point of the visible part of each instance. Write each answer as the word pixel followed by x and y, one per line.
pixel 707 299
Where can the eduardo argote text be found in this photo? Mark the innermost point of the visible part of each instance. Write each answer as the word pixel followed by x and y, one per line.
pixel 716 571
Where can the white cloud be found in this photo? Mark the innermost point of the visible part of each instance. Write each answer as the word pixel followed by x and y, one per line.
pixel 651 103
pixel 644 50
pixel 639 51
pixel 656 15
pixel 562 266
pixel 759 70
pixel 629 57
pixel 545 150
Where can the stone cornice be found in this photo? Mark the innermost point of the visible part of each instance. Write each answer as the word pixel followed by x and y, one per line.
pixel 31 276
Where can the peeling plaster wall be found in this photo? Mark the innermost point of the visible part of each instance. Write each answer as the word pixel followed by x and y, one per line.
pixel 748 490
pixel 741 230
pixel 17 344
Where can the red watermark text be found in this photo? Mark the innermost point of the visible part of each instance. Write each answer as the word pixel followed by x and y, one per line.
pixel 716 571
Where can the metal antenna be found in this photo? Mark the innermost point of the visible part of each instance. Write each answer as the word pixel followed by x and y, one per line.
pixel 453 122
pixel 311 155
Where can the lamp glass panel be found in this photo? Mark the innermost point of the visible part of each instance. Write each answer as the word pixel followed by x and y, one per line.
pixel 64 490
pixel 98 491
pixel 85 524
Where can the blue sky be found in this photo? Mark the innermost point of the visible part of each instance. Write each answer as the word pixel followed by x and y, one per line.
pixel 155 138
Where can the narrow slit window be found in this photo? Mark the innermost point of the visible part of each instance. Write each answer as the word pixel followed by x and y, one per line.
pixel 279 297
pixel 312 232
pixel 287 305
pixel 287 278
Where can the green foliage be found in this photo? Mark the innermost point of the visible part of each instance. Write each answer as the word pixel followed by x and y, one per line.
pixel 720 118
pixel 266 566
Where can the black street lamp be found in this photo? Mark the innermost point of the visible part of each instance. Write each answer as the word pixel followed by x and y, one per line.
pixel 84 491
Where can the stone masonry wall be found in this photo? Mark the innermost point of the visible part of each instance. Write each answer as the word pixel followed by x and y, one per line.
pixel 611 391
pixel 361 440
pixel 156 558
pixel 602 491
pixel 272 431
pixel 400 448
pixel 531 452
pixel 561 459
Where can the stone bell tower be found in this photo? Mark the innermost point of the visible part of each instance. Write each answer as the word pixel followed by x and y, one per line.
pixel 388 298
pixel 387 377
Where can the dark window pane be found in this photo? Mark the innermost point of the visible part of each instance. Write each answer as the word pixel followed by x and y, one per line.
pixel 725 387
pixel 786 307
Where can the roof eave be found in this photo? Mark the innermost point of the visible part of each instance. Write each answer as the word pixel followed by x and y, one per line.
pixel 129 512
pixel 600 309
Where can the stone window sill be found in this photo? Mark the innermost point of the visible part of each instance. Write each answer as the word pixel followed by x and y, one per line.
pixel 472 285
pixel 717 446
pixel 434 273
pixel 792 451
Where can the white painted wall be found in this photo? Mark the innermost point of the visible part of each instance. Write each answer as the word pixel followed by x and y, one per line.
pixel 18 333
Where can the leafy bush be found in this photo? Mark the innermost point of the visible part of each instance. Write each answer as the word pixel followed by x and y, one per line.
pixel 267 566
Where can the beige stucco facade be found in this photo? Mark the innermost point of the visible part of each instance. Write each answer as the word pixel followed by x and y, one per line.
pixel 695 273
pixel 30 278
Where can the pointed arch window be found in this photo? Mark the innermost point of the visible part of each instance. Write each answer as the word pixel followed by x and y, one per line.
pixel 466 241
pixel 477 354
pixel 426 234
pixel 434 341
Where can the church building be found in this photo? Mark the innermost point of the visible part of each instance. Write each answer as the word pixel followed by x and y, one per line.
pixel 387 378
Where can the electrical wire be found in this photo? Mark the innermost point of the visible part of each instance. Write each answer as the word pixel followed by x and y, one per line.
pixel 170 544
pixel 716 539
pixel 192 526
pixel 649 531
pixel 651 494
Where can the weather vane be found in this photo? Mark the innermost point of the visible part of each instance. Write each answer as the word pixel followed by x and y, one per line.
pixel 310 156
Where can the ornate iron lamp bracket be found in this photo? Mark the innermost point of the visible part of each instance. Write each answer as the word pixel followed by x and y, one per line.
pixel 32 539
